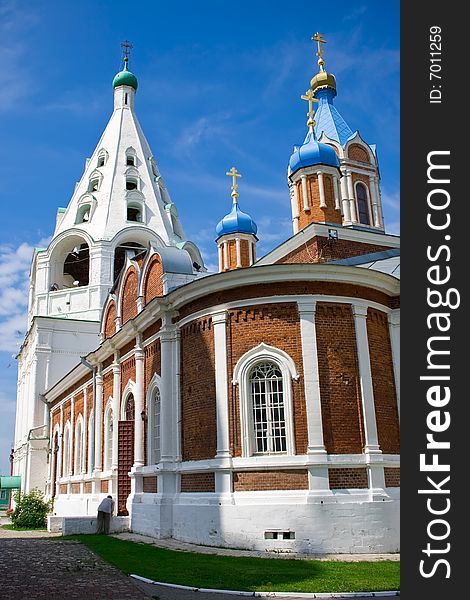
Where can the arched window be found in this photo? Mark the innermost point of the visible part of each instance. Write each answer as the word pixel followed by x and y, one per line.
pixel 66 452
pixel 83 214
pixel 125 248
pixel 132 183
pixel 264 376
pixel 267 409
pixel 129 410
pixel 362 204
pixel 134 211
pixel 108 439
pixel 154 427
pixel 102 158
pixel 78 447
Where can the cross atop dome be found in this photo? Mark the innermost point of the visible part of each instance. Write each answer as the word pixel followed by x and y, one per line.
pixel 125 77
pixel 233 173
pixel 318 38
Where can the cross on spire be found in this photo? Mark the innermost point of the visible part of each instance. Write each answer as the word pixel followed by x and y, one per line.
pixel 233 173
pixel 318 38
pixel 309 96
pixel 126 49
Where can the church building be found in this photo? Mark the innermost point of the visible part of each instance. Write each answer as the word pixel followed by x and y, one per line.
pixel 256 407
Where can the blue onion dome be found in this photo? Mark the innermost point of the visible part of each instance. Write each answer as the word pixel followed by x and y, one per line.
pixel 312 152
pixel 236 222
pixel 125 77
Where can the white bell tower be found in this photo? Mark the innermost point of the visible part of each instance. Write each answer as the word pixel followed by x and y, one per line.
pixel 119 206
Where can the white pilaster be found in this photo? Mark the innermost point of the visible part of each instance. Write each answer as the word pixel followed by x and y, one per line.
pixel 336 192
pixel 345 200
pixel 221 263
pixel 139 459
pixel 352 199
pixel 373 195
pixel 294 197
pixel 60 452
pixel 317 475
pixel 250 252
pixel 85 432
pixel 116 404
pixel 225 256
pixel 365 377
pixel 238 251
pixel 219 322
pixel 98 418
pixel 72 437
pixel 394 328
pixel 321 188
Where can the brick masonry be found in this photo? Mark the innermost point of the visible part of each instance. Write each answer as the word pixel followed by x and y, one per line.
pixel 197 482
pixel 246 481
pixel 129 296
pixel 153 285
pixel 383 380
pixel 150 485
pixel 110 320
pixel 392 477
pixel 351 478
pixel 198 407
pixel 339 379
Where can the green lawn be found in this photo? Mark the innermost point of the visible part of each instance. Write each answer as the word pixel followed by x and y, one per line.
pixel 10 526
pixel 246 574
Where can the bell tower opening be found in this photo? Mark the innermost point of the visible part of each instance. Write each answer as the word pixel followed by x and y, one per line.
pixel 133 248
pixel 70 264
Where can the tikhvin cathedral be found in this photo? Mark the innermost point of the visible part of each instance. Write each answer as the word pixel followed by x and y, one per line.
pixel 256 407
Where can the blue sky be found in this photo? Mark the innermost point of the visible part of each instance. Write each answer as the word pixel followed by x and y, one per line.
pixel 219 85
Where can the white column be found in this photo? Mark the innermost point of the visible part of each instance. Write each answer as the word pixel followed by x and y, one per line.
pixel 139 459
pixel 318 474
pixel 352 199
pixel 98 418
pixel 379 202
pixel 61 444
pixel 116 404
pixel 225 256
pixel 365 377
pixel 85 432
pixel 375 470
pixel 167 337
pixel 72 437
pixel 321 187
pixel 250 252
pixel 223 478
pixel 373 196
pixel 345 200
pixel 294 198
pixel 219 322
pixel 239 254
pixel 394 328
pixel 304 192
pixel 221 260
pixel 336 192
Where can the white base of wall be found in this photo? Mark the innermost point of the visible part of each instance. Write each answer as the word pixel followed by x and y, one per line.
pixel 345 523
pixel 363 526
pixel 74 525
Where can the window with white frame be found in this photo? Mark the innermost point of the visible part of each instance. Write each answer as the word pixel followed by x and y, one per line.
pixel 267 408
pixel 362 204
pixel 66 452
pixel 78 447
pixel 264 375
pixel 108 439
pixel 154 429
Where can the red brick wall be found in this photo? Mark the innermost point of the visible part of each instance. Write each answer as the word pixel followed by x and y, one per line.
pixel 152 362
pixel 320 249
pixel 354 478
pixel 109 322
pixel 244 253
pixel 276 325
pixel 129 296
pixel 357 152
pixel 198 406
pixel 339 379
pixel 246 481
pixel 383 380
pixel 197 482
pixel 152 329
pixel 87 487
pixel 392 477
pixel 316 214
pixel 127 372
pixel 153 285
pixel 150 485
pixel 285 288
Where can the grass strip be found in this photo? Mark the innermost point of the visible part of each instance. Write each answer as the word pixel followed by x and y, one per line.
pixel 243 573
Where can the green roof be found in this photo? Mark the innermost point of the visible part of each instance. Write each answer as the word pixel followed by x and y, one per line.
pixel 125 77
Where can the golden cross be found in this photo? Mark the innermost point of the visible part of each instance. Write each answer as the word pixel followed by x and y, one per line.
pixel 318 38
pixel 310 97
pixel 233 173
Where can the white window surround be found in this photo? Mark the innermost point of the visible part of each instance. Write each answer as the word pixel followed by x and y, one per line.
pixel 128 390
pixel 256 355
pixel 67 450
pixel 369 202
pixel 79 445
pixel 102 157
pixel 154 388
pixel 108 435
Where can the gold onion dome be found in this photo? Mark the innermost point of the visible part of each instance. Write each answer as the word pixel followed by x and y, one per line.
pixel 322 79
